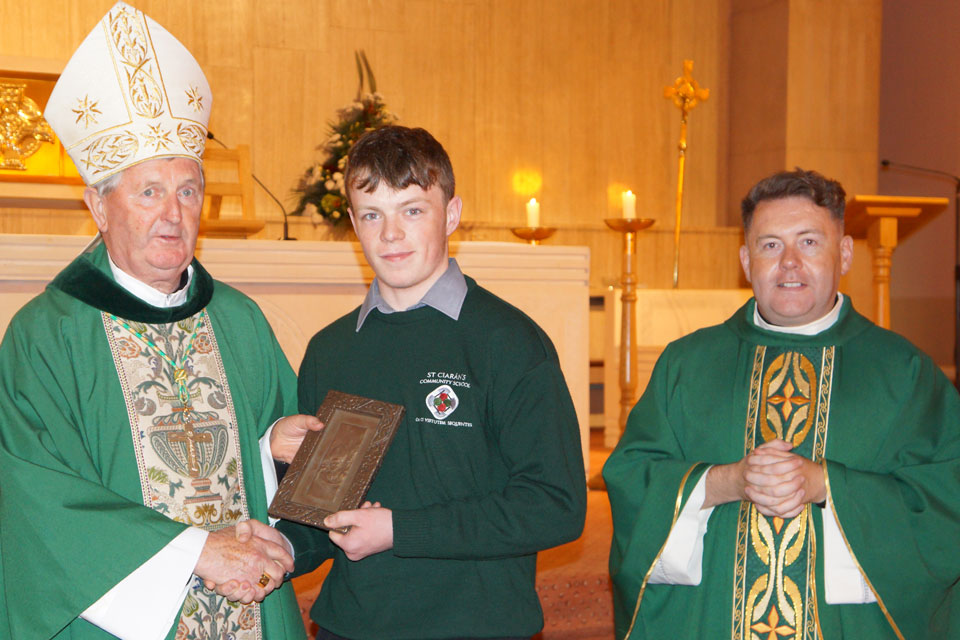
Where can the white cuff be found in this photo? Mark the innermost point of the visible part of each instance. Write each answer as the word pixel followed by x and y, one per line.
pixel 269 469
pixel 127 613
pixel 681 561
pixel 842 581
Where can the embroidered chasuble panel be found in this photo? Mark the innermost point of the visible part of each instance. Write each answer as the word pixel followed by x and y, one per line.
pixel 775 593
pixel 185 439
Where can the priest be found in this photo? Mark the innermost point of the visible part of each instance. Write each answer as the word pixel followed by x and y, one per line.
pixel 135 390
pixel 795 471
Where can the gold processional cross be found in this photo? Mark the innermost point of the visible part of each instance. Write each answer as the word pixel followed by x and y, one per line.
pixel 686 94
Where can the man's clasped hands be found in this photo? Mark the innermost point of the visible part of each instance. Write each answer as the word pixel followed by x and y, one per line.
pixel 779 482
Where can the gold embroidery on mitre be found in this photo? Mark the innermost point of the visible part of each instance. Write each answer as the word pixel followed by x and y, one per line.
pixel 194 99
pixel 109 151
pixel 86 111
pixel 130 39
pixel 192 137
pixel 157 137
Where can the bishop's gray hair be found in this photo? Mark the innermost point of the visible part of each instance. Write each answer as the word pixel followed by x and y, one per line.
pixel 105 186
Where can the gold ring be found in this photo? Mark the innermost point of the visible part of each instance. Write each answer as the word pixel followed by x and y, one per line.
pixel 264 580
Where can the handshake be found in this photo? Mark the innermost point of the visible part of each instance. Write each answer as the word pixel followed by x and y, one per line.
pixel 244 562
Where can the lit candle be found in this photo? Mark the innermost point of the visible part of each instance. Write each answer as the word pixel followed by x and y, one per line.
pixel 629 204
pixel 533 213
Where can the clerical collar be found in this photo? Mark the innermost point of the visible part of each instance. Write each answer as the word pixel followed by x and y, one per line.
pixel 809 329
pixel 446 296
pixel 148 294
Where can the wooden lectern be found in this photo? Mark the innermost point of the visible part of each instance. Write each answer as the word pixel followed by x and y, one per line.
pixel 883 221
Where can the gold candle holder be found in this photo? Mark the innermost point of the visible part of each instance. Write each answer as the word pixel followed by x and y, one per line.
pixel 533 235
pixel 628 298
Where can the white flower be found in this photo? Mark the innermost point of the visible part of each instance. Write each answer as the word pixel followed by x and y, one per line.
pixel 310 210
pixel 337 176
pixel 330 185
pixel 335 215
pixel 342 162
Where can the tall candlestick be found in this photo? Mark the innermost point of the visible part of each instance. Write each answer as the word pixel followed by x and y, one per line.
pixel 629 204
pixel 533 213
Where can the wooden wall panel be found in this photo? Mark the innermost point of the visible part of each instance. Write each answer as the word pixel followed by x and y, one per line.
pixel 440 90
pixel 571 91
pixel 833 101
pixel 758 96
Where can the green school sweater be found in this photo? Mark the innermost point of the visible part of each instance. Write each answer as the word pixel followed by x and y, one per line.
pixel 485 470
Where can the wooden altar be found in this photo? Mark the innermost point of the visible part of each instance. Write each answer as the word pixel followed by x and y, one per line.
pixel 303 286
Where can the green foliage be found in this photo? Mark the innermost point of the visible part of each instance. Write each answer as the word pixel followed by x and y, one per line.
pixel 321 187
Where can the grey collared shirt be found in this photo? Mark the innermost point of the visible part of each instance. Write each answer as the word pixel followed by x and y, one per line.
pixel 446 295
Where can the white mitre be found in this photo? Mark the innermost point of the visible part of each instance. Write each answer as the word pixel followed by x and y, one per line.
pixel 130 93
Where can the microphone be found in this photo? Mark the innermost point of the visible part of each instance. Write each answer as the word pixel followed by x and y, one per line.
pixel 886 164
pixel 286 233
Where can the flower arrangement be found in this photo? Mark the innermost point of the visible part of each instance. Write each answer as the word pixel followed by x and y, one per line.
pixel 321 187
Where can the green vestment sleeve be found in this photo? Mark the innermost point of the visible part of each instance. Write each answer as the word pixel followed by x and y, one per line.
pixel 889 423
pixel 66 538
pixel 72 519
pixel 899 509
pixel 648 474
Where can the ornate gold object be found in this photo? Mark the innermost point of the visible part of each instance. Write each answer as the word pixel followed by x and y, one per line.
pixel 533 235
pixel 628 298
pixel 22 127
pixel 264 580
pixel 686 94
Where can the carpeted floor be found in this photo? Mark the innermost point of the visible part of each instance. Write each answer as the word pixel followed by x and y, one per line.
pixel 572 579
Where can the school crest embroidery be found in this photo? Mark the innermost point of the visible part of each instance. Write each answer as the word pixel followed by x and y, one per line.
pixel 442 402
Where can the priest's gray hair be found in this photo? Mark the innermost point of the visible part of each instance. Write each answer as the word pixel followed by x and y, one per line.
pixel 105 186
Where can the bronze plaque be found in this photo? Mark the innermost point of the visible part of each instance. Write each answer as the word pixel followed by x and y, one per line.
pixel 334 467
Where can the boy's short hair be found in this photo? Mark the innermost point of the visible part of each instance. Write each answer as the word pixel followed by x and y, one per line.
pixel 400 156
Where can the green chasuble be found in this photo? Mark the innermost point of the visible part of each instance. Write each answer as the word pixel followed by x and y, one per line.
pixel 861 400
pixel 107 452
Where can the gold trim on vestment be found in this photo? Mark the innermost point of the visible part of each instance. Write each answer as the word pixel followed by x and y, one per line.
pixel 676 514
pixel 793 406
pixel 132 417
pixel 743 519
pixel 883 607
pixel 209 433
